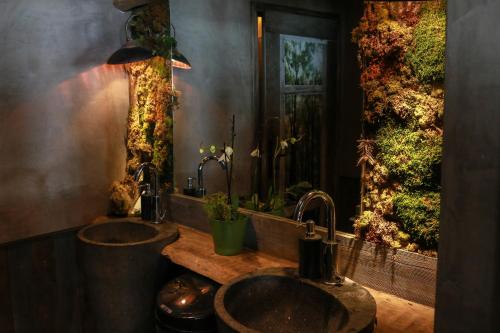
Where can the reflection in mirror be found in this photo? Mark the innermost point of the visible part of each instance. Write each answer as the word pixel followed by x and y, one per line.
pixel 295 151
pixel 291 77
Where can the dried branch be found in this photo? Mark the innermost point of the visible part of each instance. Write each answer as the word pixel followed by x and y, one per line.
pixel 365 150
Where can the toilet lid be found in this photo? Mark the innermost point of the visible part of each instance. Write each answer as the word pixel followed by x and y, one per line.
pixel 187 302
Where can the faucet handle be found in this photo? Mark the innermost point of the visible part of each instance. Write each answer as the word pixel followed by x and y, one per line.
pixel 310 226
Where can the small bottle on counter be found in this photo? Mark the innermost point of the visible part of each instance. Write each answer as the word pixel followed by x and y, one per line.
pixel 310 253
pixel 147 203
pixel 189 189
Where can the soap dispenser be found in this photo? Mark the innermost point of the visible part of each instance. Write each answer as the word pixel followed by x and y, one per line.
pixel 310 253
pixel 147 202
pixel 189 189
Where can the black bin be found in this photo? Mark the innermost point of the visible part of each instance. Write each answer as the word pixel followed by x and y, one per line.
pixel 186 304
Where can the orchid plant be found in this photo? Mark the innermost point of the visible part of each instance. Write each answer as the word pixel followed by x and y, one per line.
pixel 281 149
pixel 275 200
pixel 227 156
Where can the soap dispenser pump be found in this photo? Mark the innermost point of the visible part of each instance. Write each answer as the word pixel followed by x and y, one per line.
pixel 310 253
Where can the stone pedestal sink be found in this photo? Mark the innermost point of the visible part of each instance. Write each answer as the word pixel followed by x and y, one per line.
pixel 276 300
pixel 121 264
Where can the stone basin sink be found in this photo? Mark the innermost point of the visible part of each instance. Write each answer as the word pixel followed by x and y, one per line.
pixel 122 268
pixel 120 233
pixel 276 300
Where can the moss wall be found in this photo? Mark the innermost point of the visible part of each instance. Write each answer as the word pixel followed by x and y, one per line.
pixel 401 54
pixel 152 101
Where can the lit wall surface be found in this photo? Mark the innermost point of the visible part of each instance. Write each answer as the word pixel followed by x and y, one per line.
pixel 216 37
pixel 62 114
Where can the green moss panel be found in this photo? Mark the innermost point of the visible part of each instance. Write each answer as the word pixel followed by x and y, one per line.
pixel 152 102
pixel 401 54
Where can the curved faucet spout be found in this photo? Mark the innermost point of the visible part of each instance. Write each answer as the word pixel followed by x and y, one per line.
pixel 330 246
pixel 204 160
pixel 151 167
pixel 330 210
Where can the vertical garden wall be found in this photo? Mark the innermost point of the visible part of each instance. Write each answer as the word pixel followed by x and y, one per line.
pixel 152 100
pixel 401 54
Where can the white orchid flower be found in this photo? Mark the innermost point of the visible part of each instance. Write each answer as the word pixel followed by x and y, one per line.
pixel 255 153
pixel 224 158
pixel 226 155
pixel 202 150
pixel 228 151
pixel 284 144
pixel 213 149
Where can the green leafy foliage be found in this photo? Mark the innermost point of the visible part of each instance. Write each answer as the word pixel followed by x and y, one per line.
pixel 418 214
pixel 274 203
pixel 427 55
pixel 217 208
pixel 375 228
pixel 152 101
pixel 413 157
pixel 150 27
pixel 150 125
pixel 298 61
pixel 401 55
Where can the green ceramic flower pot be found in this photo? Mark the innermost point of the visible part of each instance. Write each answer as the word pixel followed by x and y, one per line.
pixel 228 236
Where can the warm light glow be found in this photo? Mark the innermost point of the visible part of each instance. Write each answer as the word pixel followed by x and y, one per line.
pixel 87 79
pixel 259 26
pixel 178 64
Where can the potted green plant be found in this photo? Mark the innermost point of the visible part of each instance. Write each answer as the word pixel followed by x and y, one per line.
pixel 228 225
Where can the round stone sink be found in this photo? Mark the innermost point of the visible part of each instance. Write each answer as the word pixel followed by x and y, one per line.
pixel 121 233
pixel 122 268
pixel 276 300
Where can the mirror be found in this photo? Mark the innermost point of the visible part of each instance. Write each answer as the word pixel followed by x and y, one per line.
pixel 290 73
pixel 279 71
pixel 297 55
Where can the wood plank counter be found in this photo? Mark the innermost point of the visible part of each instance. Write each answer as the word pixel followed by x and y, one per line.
pixel 194 250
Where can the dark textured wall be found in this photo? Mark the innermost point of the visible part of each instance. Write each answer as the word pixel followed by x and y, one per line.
pixel 62 113
pixel 40 289
pixel 216 36
pixel 468 286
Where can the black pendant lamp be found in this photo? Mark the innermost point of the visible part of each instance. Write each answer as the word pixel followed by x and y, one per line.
pixel 131 51
pixel 178 59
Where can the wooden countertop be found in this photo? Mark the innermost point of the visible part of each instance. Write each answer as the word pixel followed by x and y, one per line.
pixel 194 250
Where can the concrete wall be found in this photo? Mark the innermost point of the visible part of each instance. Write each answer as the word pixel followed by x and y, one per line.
pixel 468 286
pixel 62 113
pixel 216 37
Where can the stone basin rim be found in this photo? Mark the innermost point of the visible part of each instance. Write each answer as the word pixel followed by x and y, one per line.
pixel 360 320
pixel 163 231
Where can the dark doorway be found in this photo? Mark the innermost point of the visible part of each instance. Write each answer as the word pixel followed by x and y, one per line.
pixel 297 79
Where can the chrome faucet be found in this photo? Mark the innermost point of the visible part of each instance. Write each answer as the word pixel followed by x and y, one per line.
pixel 330 246
pixel 154 205
pixel 202 191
